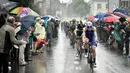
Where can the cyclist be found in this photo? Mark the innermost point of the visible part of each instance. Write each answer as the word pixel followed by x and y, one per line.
pixel 78 33
pixel 71 32
pixel 89 35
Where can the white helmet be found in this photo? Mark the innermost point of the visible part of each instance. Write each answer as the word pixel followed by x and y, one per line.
pixel 89 23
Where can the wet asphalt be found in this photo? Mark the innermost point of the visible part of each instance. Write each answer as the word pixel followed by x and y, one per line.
pixel 61 58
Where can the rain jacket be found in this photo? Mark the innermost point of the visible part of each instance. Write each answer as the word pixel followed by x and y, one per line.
pixel 116 32
pixel 40 29
pixel 7 38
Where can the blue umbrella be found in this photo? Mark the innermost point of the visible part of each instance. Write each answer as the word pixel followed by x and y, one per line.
pixel 27 22
pixel 100 15
pixel 45 17
pixel 121 10
pixel 46 22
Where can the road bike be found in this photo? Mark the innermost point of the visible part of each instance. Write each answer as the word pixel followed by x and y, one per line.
pixel 90 57
pixel 79 46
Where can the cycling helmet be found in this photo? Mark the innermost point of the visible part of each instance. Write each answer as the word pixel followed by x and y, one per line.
pixel 89 23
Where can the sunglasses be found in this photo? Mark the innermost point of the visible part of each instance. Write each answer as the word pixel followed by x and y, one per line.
pixel 89 26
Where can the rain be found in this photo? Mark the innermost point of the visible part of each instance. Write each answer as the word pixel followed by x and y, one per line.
pixel 64 36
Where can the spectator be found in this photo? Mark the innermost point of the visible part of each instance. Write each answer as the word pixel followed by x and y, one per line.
pixel 29 46
pixel 41 36
pixel 7 36
pixel 25 37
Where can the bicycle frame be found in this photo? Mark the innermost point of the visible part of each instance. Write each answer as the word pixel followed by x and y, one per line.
pixel 79 47
pixel 90 57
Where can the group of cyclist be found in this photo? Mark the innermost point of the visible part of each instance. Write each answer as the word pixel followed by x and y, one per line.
pixel 81 35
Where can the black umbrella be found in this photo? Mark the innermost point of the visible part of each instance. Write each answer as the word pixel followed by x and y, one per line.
pixel 106 15
pixel 10 5
pixel 3 12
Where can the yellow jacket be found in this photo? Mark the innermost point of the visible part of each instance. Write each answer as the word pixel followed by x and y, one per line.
pixel 40 29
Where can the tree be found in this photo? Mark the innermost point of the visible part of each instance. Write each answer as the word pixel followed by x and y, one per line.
pixel 81 8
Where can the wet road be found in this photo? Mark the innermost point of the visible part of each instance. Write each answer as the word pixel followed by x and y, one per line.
pixel 62 59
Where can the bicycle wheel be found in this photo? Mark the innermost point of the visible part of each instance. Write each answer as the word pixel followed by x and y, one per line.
pixel 80 54
pixel 91 63
pixel 91 67
pixel 88 58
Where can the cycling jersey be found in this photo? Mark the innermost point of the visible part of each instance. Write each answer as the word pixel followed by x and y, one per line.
pixel 90 34
pixel 79 30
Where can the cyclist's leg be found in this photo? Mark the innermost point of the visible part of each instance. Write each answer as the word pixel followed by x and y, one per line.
pixel 85 44
pixel 94 53
pixel 77 46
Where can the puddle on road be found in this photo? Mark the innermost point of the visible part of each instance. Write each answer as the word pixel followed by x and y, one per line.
pixel 76 62
pixel 78 68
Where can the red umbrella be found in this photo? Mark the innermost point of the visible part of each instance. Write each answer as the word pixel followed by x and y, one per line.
pixel 109 12
pixel 110 19
pixel 91 18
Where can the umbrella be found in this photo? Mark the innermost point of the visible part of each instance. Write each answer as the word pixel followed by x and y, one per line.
pixel 106 15
pixel 27 21
pixel 121 10
pixel 24 12
pixel 48 16
pixel 115 16
pixel 17 10
pixel 2 11
pixel 45 17
pixel 28 11
pixel 110 19
pixel 100 15
pixel 10 5
pixel 120 14
pixel 91 18
pixel 109 12
pixel 31 12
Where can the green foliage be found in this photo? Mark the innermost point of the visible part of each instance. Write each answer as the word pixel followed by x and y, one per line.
pixel 81 8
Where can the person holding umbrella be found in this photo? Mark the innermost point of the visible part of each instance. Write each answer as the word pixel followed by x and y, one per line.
pixel 26 29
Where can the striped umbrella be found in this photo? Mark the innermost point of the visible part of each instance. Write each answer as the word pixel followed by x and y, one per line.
pixel 17 10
